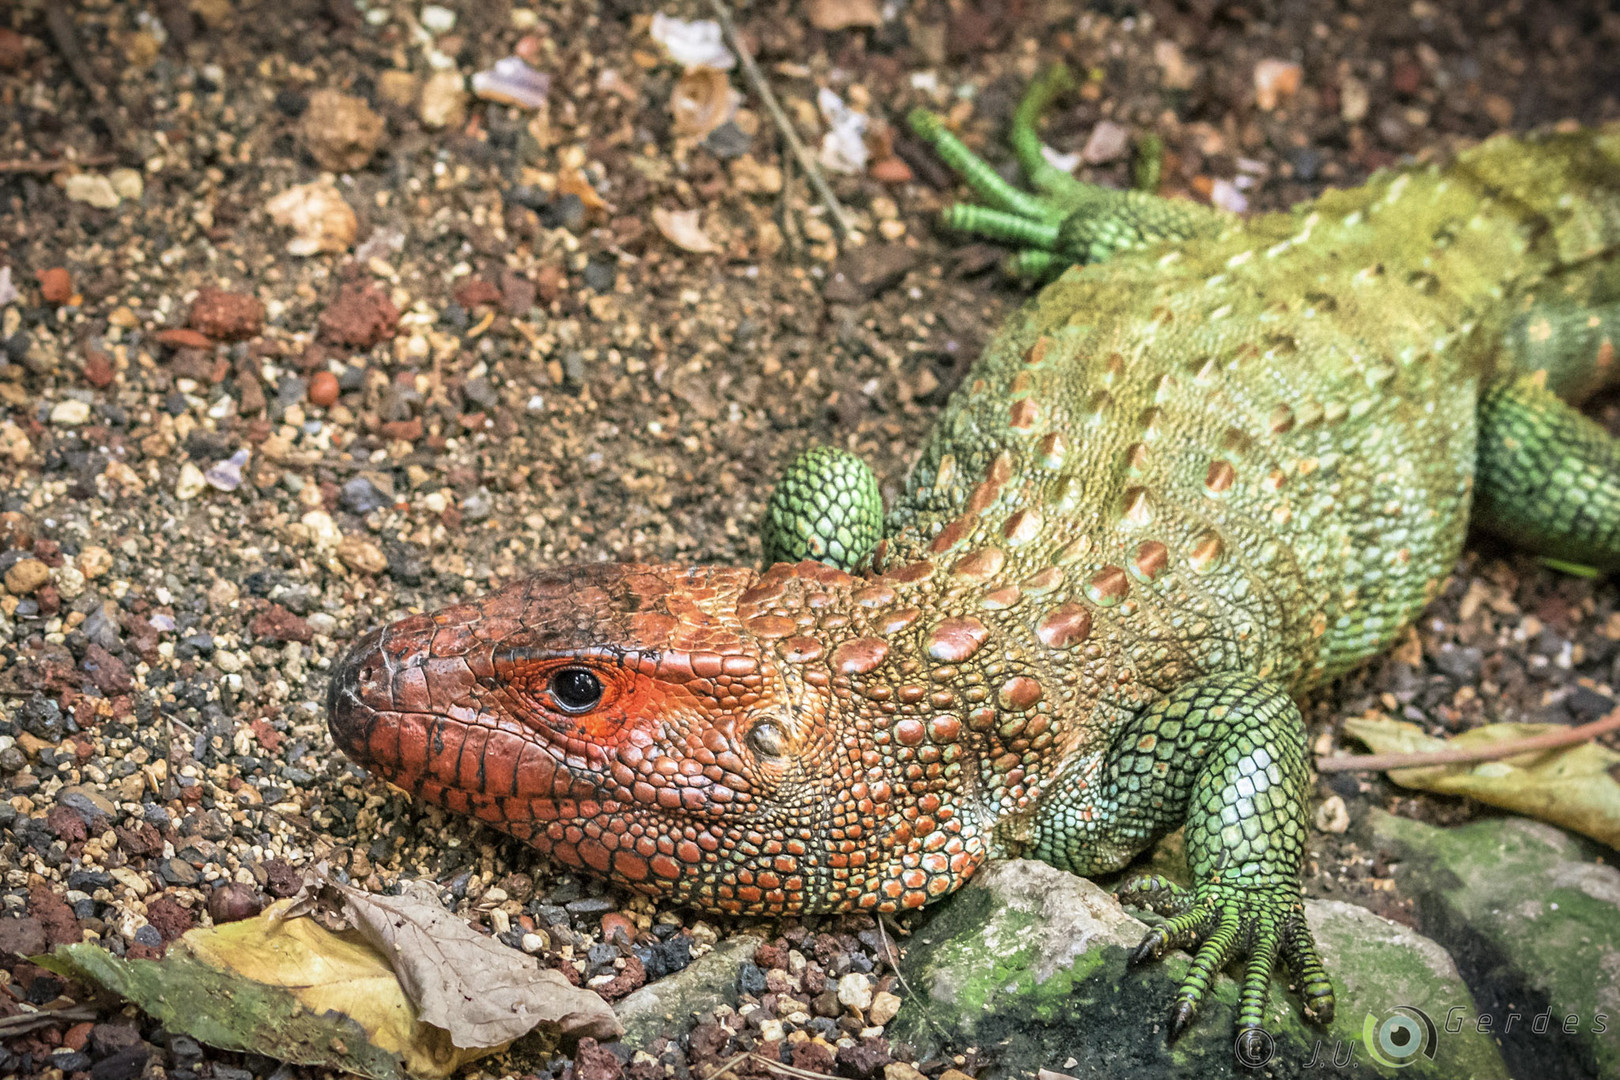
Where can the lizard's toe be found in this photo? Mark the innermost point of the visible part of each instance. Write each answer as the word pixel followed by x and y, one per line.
pixel 1305 969
pixel 1218 949
pixel 1155 893
pixel 1221 923
pixel 1182 931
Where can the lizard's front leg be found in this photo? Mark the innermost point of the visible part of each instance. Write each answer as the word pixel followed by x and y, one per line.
pixel 1225 755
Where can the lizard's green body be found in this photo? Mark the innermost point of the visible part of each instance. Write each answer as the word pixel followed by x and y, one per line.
pixel 1178 487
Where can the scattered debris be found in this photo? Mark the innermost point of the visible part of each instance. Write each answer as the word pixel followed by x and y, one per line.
pixel 1108 142
pixel 443 100
pixel 843 146
pixel 681 228
pixel 840 220
pixel 92 188
pixel 1275 82
pixel 702 100
pixel 845 14
pixel 226 316
pixel 1227 196
pixel 341 132
pixel 318 215
pixel 512 82
pixel 55 285
pixel 695 43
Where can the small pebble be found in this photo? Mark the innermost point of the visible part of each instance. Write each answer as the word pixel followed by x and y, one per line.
pixel 25 576
pixel 323 389
pixel 855 991
pixel 190 483
pixel 883 1009
pixel 70 413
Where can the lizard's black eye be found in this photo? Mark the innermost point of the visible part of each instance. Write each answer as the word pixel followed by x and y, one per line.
pixel 766 738
pixel 576 690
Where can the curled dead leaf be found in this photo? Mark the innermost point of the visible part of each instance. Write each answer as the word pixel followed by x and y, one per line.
pixel 681 228
pixel 702 100
pixel 397 987
pixel 573 182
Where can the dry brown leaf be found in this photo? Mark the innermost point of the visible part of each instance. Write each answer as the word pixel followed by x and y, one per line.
pixel 702 100
pixel 480 991
pixel 391 987
pixel 573 182
pixel 1572 786
pixel 844 14
pixel 681 228
pixel 284 987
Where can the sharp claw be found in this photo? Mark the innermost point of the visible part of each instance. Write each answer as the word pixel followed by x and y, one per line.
pixel 1148 950
pixel 1319 1011
pixel 1181 1018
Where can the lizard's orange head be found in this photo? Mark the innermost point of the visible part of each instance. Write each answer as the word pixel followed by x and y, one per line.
pixel 676 729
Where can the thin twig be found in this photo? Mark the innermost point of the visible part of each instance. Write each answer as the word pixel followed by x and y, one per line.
pixel 59 18
pixel 23 1023
pixel 1552 740
pixel 790 1070
pixel 892 955
pixel 65 35
pixel 50 165
pixel 807 162
pixel 727 1064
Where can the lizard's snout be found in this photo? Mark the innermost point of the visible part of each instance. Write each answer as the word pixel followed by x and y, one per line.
pixel 359 685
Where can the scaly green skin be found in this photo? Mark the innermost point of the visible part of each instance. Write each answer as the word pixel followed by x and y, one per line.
pixel 1177 488
pixel 827 507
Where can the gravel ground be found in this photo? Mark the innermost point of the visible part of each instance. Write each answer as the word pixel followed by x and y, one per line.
pixel 220 460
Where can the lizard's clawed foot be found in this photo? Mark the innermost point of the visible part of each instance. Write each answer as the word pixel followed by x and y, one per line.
pixel 1219 923
pixel 1069 221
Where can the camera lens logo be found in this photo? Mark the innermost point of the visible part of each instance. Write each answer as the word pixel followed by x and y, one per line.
pixel 1400 1038
pixel 1254 1048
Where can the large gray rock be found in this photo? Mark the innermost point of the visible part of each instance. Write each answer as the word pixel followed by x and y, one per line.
pixel 1534 923
pixel 666 1007
pixel 1027 963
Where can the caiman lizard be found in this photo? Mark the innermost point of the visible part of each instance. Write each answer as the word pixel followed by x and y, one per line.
pixel 1213 463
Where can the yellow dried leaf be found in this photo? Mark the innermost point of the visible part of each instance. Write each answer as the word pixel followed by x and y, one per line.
pixel 573 182
pixel 1572 786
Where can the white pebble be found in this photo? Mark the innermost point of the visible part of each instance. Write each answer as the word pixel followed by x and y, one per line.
pixel 438 20
pixel 70 413
pixel 191 482
pixel 855 991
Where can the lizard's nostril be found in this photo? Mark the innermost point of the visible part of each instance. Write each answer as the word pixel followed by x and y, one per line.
pixel 355 694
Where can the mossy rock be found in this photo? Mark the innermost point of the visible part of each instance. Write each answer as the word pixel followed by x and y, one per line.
pixel 1533 919
pixel 1028 964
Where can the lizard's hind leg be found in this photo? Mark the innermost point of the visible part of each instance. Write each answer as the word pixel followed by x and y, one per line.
pixel 1548 478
